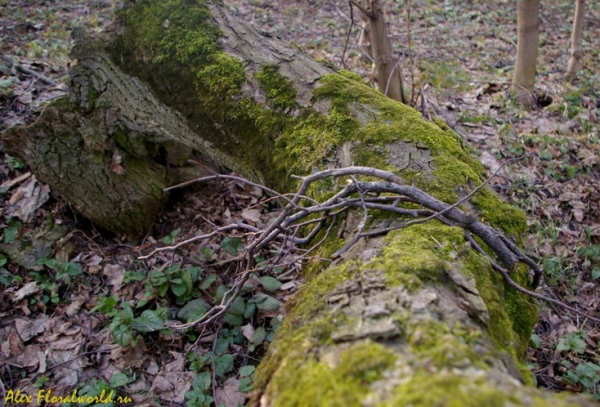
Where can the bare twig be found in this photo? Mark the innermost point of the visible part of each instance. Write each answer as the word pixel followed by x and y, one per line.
pixel 513 284
pixel 299 213
pixel 19 67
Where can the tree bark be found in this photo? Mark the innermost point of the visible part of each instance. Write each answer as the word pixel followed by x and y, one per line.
pixel 388 69
pixel 412 318
pixel 576 50
pixel 527 50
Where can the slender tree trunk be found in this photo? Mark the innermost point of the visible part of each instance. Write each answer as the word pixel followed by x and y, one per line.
pixel 527 51
pixel 576 50
pixel 389 78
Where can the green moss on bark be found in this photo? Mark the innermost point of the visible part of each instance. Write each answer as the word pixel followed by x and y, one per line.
pixel 339 378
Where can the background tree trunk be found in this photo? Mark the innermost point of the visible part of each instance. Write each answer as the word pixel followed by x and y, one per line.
pixel 413 318
pixel 388 69
pixel 527 50
pixel 576 50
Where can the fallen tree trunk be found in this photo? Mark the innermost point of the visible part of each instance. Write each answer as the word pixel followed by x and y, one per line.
pixel 415 317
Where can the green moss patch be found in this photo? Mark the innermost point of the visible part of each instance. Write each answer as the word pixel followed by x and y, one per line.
pixel 341 382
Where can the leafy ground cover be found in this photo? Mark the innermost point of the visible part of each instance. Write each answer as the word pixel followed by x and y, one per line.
pixel 78 295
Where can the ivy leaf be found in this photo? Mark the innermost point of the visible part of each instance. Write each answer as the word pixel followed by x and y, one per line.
pixel 259 335
pixel 149 321
pixel 238 307
pixel 571 342
pixel 193 310
pixel 206 252
pixel 233 320
pixel 119 379
pixel 536 341
pixel 266 302
pixel 207 282
pixel 202 381
pixel 122 334
pixel 232 245
pixel 270 283
pixel 245 385
pixel 250 310
pixel 247 370
pixel 157 277
pixel 223 364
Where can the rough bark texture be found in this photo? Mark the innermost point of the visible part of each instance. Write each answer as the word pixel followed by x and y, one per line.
pixel 413 318
pixel 576 50
pixel 389 80
pixel 527 50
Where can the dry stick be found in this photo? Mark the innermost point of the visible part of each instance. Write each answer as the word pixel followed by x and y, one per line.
pixel 194 239
pixel 487 233
pixel 361 225
pixel 320 242
pixel 397 185
pixel 361 8
pixel 477 189
pixel 212 363
pixel 232 177
pixel 218 310
pixel 476 227
pixel 387 85
pixel 343 62
pixel 523 290
pixel 19 67
pixel 284 220
pixel 59 364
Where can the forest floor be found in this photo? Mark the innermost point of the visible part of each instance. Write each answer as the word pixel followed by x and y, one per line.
pixel 60 310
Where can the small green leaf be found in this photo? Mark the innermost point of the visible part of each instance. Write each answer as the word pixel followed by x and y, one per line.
pixel 206 252
pixel 572 342
pixel 596 273
pixel 73 269
pixel 162 289
pixel 536 341
pixel 266 303
pixel 149 321
pixel 238 307
pixel 270 283
pixel 193 310
pixel 259 335
pixel 232 245
pixel 250 309
pixel 222 345
pixel 105 305
pixel 223 364
pixel 171 237
pixel 122 334
pixel 207 282
pixel 221 290
pixel 233 320
pixel 246 384
pixel 247 370
pixel 202 381
pixel 157 277
pixel 178 288
pixel 119 379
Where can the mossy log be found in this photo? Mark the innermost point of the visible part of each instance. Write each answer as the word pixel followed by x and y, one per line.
pixel 413 318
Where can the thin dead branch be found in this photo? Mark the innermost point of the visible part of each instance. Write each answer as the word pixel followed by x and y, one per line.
pixel 386 193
